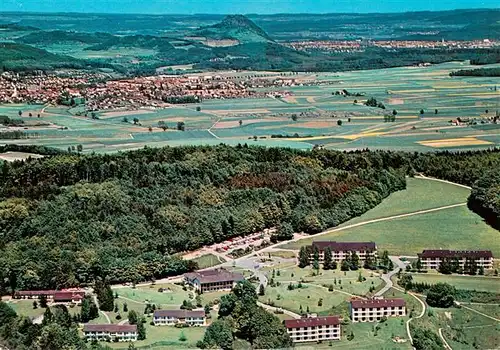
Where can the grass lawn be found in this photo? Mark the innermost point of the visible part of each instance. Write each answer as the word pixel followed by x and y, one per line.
pixel 463 329
pixel 450 228
pixel 209 297
pixel 25 308
pixel 307 296
pixel 482 283
pixel 412 305
pixel 488 309
pixel 208 260
pixel 165 338
pixel 346 281
pixel 139 308
pixel 285 254
pixel 420 194
pixel 150 294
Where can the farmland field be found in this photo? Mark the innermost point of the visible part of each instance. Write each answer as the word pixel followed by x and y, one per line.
pixel 408 90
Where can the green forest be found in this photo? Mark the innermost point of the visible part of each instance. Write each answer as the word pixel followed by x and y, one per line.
pixel 69 219
pixel 481 72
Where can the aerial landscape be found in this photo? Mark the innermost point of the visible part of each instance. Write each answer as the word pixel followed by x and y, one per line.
pixel 249 175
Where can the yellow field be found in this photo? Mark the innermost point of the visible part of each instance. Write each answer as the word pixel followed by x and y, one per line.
pixel 464 141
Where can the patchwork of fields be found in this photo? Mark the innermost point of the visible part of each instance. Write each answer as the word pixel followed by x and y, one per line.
pixel 320 118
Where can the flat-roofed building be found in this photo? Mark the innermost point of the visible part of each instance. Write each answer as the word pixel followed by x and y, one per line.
pixel 173 317
pixel 313 329
pixel 341 250
pixel 431 258
pixel 372 310
pixel 213 280
pixel 110 332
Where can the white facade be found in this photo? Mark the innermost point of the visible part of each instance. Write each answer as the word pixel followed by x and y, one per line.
pixel 120 336
pixel 435 262
pixel 314 333
pixel 375 310
pixel 172 321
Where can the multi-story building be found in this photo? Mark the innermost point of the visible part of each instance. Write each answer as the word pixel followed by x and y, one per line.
pixel 313 329
pixel 213 280
pixel 173 317
pixel 372 310
pixel 110 332
pixel 431 259
pixel 340 250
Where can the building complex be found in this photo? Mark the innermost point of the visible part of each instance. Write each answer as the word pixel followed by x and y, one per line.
pixel 213 280
pixel 173 317
pixel 57 296
pixel 431 259
pixel 110 332
pixel 341 250
pixel 313 329
pixel 371 310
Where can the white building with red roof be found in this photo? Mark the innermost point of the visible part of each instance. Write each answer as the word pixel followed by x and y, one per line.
pixel 313 329
pixel 173 317
pixel 432 258
pixel 341 250
pixel 372 310
pixel 110 332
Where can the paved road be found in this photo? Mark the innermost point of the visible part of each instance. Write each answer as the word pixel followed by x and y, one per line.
pixel 102 312
pixel 446 345
pixel 398 264
pixel 285 311
pixel 419 316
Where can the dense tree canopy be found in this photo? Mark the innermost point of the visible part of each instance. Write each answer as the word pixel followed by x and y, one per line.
pixel 69 218
pixel 485 197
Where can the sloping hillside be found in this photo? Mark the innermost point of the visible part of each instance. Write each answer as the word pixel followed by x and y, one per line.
pixel 234 27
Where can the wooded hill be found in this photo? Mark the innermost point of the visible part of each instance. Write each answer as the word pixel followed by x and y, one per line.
pixel 67 219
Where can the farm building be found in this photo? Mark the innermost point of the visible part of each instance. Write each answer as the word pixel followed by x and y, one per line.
pixel 431 259
pixel 340 250
pixel 173 317
pixel 110 332
pixel 372 310
pixel 313 329
pixel 213 280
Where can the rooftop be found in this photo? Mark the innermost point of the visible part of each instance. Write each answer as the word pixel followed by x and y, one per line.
pixel 345 246
pixel 376 303
pixel 215 275
pixel 445 253
pixel 312 322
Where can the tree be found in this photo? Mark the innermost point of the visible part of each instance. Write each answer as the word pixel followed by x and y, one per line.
pixel 136 121
pixel 141 330
pixel 345 266
pixel 198 108
pixel 240 122
pixel 304 256
pixel 48 317
pixel 181 126
pixel 35 304
pixel 218 334
pixel 79 148
pixel 85 310
pixel 261 290
pixel 328 259
pixel 315 257
pixel 441 295
pixel 133 318
pixel 20 113
pixel 339 122
pixel 394 112
pixel 43 301
pixel 104 296
pixel 284 232
pixel 294 117
pixel 125 120
pixel 116 308
pixel 125 307
pixel 150 128
pixel 422 111
pixel 354 260
pixel 436 111
pixel 418 264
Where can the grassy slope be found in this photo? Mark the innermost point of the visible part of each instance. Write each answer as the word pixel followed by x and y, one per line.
pixel 207 260
pixel 449 228
pixel 482 283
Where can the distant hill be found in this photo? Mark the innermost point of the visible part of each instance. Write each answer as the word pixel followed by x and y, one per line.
pixel 234 27
pixel 20 57
pixel 139 41
pixel 16 27
pixel 61 36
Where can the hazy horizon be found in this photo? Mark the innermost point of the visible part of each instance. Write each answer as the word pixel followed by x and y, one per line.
pixel 166 7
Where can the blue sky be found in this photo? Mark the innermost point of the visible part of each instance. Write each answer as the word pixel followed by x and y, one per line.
pixel 239 6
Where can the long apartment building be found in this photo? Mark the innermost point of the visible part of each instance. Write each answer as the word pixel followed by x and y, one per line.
pixel 431 259
pixel 173 317
pixel 313 329
pixel 110 332
pixel 340 250
pixel 213 280
pixel 372 310
pixel 57 296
